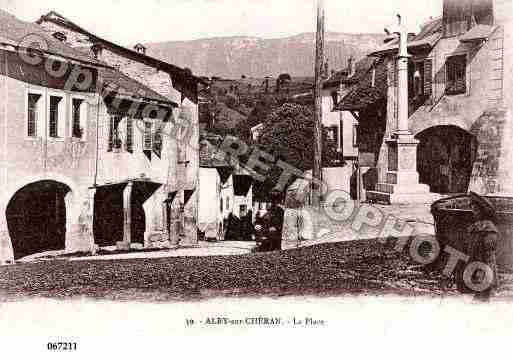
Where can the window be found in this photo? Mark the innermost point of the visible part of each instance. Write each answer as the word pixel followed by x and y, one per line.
pixel 77 130
pixel 60 36
pixel 32 114
pixel 157 140
pixel 334 99
pixel 243 209
pixel 332 135
pixel 456 76
pixel 227 203
pixel 130 135
pixel 147 137
pixel 114 140
pixel 355 135
pixel 221 204
pixel 54 125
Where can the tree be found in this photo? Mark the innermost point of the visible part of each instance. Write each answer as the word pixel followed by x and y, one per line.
pixel 284 78
pixel 288 134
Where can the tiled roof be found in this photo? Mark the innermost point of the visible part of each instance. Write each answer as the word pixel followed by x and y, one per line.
pixel 478 32
pixel 364 93
pixel 20 32
pixel 361 68
pixel 427 38
pixel 209 157
pixel 125 86
pixel 56 18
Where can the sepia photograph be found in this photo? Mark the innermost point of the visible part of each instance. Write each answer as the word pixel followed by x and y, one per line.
pixel 300 178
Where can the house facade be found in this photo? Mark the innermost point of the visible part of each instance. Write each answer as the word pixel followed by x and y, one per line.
pixel 85 161
pixel 178 167
pixel 458 108
pixel 224 190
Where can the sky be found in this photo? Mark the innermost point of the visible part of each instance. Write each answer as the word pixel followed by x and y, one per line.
pixel 130 21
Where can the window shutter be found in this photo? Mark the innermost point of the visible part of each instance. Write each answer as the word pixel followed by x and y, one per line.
pixel 130 135
pixel 428 77
pixel 147 138
pixel 157 141
pixel 111 134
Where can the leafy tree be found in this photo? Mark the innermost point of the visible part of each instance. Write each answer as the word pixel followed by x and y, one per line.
pixel 288 135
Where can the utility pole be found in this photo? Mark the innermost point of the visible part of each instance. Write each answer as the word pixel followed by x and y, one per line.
pixel 319 60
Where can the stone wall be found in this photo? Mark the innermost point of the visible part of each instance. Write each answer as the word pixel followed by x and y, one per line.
pixel 26 160
pixel 176 176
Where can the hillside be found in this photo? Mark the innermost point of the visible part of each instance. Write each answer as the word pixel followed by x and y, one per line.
pixel 232 57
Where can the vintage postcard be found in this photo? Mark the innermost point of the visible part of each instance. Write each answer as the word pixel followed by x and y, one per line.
pixel 248 178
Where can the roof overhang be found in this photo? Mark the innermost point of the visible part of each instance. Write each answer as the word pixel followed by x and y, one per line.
pixel 478 33
pixel 414 46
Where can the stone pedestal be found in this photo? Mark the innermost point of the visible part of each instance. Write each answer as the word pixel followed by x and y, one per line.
pixel 402 176
pixel 402 180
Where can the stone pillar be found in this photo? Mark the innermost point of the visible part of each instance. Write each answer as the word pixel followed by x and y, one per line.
pixel 85 236
pixel 402 179
pixel 127 216
pixel 6 250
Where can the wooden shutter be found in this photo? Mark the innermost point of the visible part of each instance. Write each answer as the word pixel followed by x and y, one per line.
pixel 147 137
pixel 157 141
pixel 130 135
pixel 428 77
pixel 111 134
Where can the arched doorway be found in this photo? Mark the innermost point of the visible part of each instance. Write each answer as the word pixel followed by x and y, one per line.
pixel 36 218
pixel 445 157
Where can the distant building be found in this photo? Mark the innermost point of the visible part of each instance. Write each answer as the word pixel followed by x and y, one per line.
pixel 224 190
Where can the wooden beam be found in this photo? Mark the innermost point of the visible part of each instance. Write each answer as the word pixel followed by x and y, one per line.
pixel 355 114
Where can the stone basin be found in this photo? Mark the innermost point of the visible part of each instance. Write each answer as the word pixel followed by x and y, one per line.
pixel 453 216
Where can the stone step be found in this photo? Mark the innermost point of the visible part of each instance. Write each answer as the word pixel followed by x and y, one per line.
pixel 378 197
pixel 401 198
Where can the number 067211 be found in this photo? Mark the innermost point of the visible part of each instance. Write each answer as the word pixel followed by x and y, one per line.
pixel 62 346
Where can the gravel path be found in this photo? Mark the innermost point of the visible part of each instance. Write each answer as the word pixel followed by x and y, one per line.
pixel 361 267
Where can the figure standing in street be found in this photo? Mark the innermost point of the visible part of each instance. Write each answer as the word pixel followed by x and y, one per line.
pixel 272 224
pixel 482 247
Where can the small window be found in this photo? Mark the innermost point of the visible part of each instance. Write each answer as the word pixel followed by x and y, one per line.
pixel 32 114
pixel 60 36
pixel 456 75
pixel 334 99
pixel 227 203
pixel 77 113
pixel 114 140
pixel 243 209
pixel 355 135
pixel 221 206
pixel 54 125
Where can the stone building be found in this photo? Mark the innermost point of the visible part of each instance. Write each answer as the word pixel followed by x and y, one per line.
pixel 90 153
pixel 446 127
pixel 172 82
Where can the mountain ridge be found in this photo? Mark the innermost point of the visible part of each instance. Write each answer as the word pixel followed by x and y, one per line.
pixel 251 56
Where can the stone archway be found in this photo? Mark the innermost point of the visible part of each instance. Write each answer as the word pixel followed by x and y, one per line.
pixel 445 157
pixel 37 217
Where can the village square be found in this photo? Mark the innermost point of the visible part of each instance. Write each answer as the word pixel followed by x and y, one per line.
pixel 387 170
